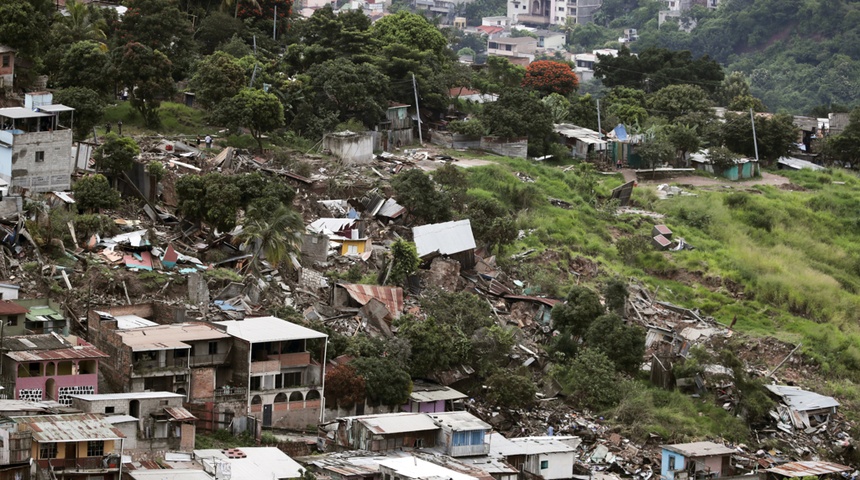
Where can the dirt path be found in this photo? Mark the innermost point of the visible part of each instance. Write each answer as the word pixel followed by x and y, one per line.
pixel 697 181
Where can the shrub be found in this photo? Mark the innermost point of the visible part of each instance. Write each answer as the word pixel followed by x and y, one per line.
pixel 511 391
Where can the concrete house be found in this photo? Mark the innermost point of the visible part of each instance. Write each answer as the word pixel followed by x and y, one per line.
pixel 431 398
pixel 7 66
pixel 462 434
pixel 451 239
pixel 50 367
pixel 43 316
pixel 552 458
pixel 352 148
pixel 160 422
pixel 9 291
pixel 36 146
pixel 413 468
pixel 73 446
pixel 388 431
pixel 695 460
pixel 12 316
pixel 519 50
pixel 273 359
pixel 248 463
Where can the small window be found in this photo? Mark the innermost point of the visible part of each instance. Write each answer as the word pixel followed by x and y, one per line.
pixel 7 60
pixel 40 156
pixel 544 464
pixel 110 409
pixel 95 448
pixel 47 450
pixel 179 378
pixel 671 463
pixel 12 320
pixel 163 403
pixel 213 348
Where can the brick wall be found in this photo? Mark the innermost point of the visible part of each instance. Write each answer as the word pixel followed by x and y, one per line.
pixel 202 383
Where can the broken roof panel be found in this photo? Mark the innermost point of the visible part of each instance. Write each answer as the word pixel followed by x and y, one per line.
pixel 179 414
pixel 808 469
pixel 802 400
pixel 392 297
pixel 391 209
pixel 141 260
pixel 169 337
pixel 446 238
pixel 330 226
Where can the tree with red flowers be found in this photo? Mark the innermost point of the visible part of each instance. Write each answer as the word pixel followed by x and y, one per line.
pixel 546 76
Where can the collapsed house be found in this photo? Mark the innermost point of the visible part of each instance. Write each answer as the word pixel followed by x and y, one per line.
pixel 801 409
pixel 449 239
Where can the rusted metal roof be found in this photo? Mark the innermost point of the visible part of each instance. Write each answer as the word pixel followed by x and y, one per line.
pixel 808 469
pixel 169 337
pixel 392 297
pixel 179 414
pixel 69 428
pixel 79 352
pixel 391 423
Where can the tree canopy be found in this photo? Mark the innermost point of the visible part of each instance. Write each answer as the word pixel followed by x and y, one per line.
pixel 547 77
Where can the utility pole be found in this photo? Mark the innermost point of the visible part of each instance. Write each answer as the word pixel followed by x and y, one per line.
pixel 755 140
pixel 275 24
pixel 417 111
pixel 599 130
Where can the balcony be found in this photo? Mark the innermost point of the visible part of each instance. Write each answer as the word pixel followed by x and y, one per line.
pixel 155 367
pixel 266 366
pixel 83 464
pixel 230 392
pixel 299 359
pixel 536 19
pixel 470 450
pixel 207 360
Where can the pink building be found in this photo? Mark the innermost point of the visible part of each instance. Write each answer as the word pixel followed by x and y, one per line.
pixel 50 367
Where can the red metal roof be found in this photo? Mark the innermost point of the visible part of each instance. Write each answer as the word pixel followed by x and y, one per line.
pixel 11 308
pixel 80 352
pixel 663 241
pixel 179 414
pixel 392 297
pixel 663 230
pixel 490 29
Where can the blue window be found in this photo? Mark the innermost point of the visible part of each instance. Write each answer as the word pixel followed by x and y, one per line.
pixel 471 437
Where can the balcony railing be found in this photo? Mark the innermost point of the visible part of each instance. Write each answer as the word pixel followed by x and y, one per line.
pixel 298 359
pixel 230 392
pixel 83 463
pixel 199 360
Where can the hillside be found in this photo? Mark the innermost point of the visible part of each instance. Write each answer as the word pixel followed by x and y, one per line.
pixel 797 54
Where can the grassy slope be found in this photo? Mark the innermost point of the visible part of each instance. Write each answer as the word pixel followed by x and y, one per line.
pixel 796 254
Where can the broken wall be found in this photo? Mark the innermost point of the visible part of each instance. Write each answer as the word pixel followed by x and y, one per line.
pixel 454 140
pixel 352 149
pixel 513 147
pixel 53 171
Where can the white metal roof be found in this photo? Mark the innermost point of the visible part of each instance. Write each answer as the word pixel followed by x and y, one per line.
pixel 542 445
pixel 802 400
pixel 169 337
pixel 415 468
pixel 125 322
pixel 798 164
pixel 446 238
pixel 18 113
pixel 259 463
pixel 699 449
pixel 55 108
pixel 114 419
pixel 460 421
pixel 268 329
pixel 168 474
pixel 329 226
pixel 402 422
pixel 127 396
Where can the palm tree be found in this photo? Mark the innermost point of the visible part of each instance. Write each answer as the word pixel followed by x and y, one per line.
pixel 274 236
pixel 81 23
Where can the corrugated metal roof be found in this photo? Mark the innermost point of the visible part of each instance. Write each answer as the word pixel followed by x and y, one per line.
pixel 396 422
pixel 43 313
pixel 392 297
pixel 436 394
pixel 798 164
pixel 330 226
pixel 808 469
pixel 127 396
pixel 69 428
pixel 259 463
pixel 446 238
pixel 114 419
pixel 460 421
pixel 21 112
pixel 168 337
pixel 78 352
pixel 699 449
pixel 126 322
pixel 268 329
pixel 802 400
pixel 391 209
pixel 169 474
pixel 540 445
pixel 179 414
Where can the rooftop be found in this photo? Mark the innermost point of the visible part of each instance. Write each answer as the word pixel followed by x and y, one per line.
pixel 699 449
pixel 539 445
pixel 413 467
pixel 422 392
pixel 168 337
pixel 69 428
pixel 168 474
pixel 446 238
pixel 460 421
pixel 515 40
pixel 268 329
pixel 808 469
pixel 126 322
pixel 11 308
pixel 127 396
pixel 392 297
pixel 17 113
pixel 389 423
pixel 802 400
pixel 258 463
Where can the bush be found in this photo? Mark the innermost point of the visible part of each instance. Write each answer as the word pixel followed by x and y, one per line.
pixel 590 380
pixel 511 391
pixel 94 192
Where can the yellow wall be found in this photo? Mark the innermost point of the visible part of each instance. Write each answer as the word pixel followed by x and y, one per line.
pixel 362 245
pixel 81 449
